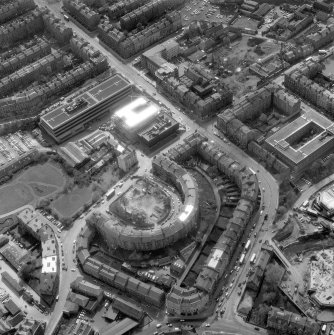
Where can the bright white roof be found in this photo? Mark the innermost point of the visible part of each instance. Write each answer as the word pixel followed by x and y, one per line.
pixel 49 264
pixel 137 112
pixel 213 262
pixel 184 215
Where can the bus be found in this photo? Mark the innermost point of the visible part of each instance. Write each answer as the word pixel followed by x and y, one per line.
pixel 248 243
pixel 242 258
pixel 110 193
pixel 253 258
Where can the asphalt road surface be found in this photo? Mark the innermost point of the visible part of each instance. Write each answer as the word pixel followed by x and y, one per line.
pixel 230 322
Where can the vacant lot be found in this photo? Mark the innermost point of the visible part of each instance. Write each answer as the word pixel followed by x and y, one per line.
pixel 67 205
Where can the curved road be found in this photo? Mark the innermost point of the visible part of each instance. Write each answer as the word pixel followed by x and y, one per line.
pixel 266 180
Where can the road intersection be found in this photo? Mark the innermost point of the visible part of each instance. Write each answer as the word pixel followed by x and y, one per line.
pixel 268 184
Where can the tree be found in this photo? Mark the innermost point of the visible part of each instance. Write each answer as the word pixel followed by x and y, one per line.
pixel 66 222
pixel 95 197
pixel 43 203
pixel 27 269
pixel 270 298
pixel 281 211
pixel 273 276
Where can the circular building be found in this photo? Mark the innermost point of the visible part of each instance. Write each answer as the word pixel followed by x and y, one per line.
pixel 150 215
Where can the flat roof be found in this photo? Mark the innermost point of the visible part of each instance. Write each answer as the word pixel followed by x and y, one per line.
pixel 137 113
pixel 49 264
pixel 214 260
pixel 110 87
pixel 121 327
pixel 184 215
pixel 279 140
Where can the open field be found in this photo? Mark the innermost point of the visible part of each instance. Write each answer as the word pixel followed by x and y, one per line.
pixel 41 190
pixel 47 174
pixel 32 184
pixel 67 205
pixel 14 196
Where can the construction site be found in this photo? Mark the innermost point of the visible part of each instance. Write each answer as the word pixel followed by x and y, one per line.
pixel 144 204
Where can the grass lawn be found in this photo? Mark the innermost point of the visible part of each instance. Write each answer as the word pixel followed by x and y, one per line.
pixel 46 173
pixel 33 183
pixel 68 204
pixel 14 196
pixel 41 190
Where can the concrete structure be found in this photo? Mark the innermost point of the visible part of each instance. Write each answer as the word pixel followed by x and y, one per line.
pixel 286 28
pixel 22 27
pixel 312 42
pixel 39 227
pixel 233 121
pixel 321 274
pixel 128 308
pixel 302 141
pixel 81 328
pixel 73 154
pixel 142 120
pixel 14 8
pixel 291 323
pixel 147 13
pixel 135 115
pixel 120 8
pixel 325 200
pixel 195 89
pixel 193 300
pixel 128 45
pixel 111 276
pixel 31 327
pixel 11 282
pixel 84 14
pixel 300 82
pixel 176 226
pixel 28 55
pixel 57 28
pixel 255 279
pixel 31 72
pixel 72 118
pixel 127 159
pixel 162 127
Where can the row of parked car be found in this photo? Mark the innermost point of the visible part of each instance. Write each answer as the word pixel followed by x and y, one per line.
pixel 53 220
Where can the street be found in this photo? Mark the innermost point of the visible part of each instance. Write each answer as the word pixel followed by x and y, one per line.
pixel 230 321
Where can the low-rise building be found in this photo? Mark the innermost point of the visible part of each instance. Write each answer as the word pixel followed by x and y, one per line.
pixel 291 323
pixel 127 159
pixel 84 14
pixel 128 308
pixel 39 227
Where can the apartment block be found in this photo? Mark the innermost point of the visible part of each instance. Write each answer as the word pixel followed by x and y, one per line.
pixel 81 12
pixel 30 72
pixel 20 28
pixel 57 28
pixel 14 8
pixel 128 45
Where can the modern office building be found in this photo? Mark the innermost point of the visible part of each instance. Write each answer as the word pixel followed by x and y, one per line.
pixel 143 120
pixel 71 118
pixel 302 141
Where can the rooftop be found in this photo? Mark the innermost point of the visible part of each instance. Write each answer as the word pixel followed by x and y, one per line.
pixel 137 113
pixel 282 139
pixel 102 91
